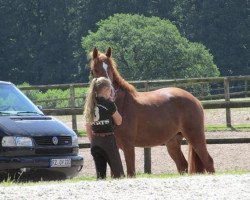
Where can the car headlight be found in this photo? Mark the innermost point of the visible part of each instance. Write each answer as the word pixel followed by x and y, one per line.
pixel 75 140
pixel 10 141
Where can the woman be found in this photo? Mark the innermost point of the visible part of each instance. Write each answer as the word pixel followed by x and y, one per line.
pixel 101 116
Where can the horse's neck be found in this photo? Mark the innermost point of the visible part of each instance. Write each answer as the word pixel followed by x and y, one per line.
pixel 124 93
pixel 123 97
pixel 119 82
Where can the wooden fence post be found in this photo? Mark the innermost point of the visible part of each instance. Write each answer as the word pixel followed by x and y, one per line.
pixel 72 105
pixel 147 151
pixel 227 99
pixel 246 87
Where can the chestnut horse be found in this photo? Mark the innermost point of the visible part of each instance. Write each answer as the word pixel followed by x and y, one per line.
pixel 154 118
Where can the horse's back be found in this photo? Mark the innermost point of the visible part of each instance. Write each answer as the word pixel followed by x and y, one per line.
pixel 164 113
pixel 166 96
pixel 180 101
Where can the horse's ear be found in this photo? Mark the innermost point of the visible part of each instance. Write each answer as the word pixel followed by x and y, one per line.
pixel 108 53
pixel 95 53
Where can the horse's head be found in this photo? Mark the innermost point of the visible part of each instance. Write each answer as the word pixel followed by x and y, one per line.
pixel 101 64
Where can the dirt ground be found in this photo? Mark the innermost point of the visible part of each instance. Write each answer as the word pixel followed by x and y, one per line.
pixel 227 157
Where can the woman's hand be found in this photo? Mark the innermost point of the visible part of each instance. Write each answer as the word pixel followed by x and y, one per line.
pixel 111 99
pixel 117 118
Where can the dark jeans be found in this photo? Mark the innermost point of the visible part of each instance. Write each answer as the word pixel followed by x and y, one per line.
pixel 104 150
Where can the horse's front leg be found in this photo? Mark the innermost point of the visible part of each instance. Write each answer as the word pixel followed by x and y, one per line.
pixel 129 154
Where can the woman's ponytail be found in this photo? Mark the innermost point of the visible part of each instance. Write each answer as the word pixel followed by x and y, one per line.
pixel 90 102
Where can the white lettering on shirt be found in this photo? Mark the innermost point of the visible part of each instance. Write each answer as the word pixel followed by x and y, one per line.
pixel 102 122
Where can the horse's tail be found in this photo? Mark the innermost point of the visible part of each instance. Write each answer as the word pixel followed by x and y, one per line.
pixel 195 164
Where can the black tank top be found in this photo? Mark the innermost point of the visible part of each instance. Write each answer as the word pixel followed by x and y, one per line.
pixel 103 121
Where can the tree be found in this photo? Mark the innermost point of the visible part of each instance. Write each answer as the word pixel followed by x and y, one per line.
pixel 221 25
pixel 225 29
pixel 40 41
pixel 150 48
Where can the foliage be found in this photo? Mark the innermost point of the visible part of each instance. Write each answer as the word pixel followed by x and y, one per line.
pixel 55 98
pixel 150 48
pixel 39 41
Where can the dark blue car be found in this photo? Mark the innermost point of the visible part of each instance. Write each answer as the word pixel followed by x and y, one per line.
pixel 31 143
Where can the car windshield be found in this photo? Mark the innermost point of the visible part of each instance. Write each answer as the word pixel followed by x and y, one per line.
pixel 14 102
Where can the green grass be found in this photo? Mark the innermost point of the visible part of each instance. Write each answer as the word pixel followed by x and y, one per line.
pixel 208 128
pixel 9 182
pixel 222 127
pixel 163 175
pixel 175 175
pixel 82 133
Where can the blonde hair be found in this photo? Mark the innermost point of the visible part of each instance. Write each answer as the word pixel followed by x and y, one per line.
pixel 96 86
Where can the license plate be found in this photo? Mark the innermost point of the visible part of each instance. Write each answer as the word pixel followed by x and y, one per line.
pixel 60 162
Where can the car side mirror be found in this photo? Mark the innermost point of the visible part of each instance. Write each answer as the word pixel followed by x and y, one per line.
pixel 40 107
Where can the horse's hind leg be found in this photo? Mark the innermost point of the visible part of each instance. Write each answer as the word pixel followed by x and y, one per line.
pixel 201 150
pixel 198 152
pixel 174 150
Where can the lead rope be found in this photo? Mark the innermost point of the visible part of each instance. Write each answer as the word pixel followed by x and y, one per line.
pixel 113 94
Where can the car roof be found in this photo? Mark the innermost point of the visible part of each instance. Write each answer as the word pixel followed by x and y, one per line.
pixel 5 83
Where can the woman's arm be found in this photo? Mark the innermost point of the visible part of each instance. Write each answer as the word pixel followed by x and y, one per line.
pixel 117 118
pixel 89 131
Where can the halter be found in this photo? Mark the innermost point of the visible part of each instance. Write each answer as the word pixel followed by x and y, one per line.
pixel 114 92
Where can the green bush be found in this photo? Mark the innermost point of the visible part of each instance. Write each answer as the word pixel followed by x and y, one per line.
pixel 55 98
